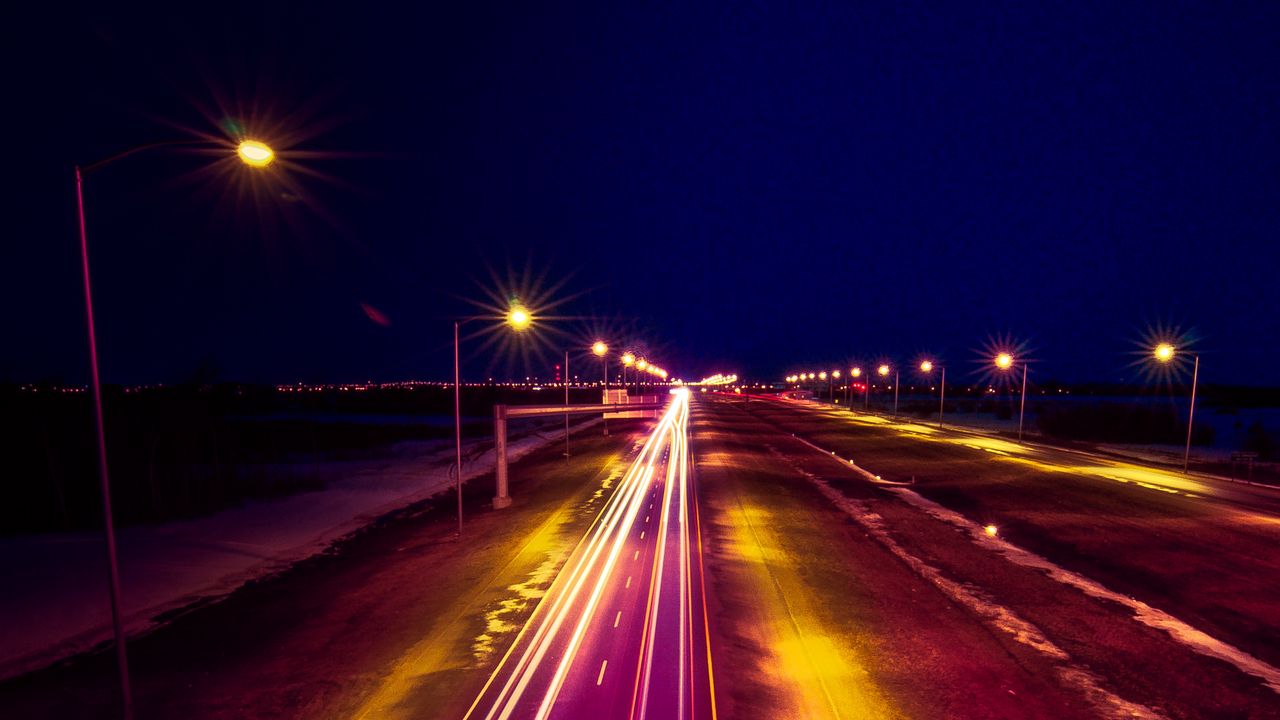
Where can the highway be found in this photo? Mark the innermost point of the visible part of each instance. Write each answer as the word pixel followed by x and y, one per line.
pixel 1102 588
pixel 752 557
pixel 622 631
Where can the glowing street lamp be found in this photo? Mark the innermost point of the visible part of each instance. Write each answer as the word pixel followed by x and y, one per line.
pixel 628 359
pixel 1164 353
pixel 256 155
pixel 519 319
pixel 1004 361
pixel 848 389
pixel 835 375
pixel 883 370
pixel 601 350
pixel 926 367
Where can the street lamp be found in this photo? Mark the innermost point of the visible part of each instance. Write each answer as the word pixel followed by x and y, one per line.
pixel 519 319
pixel 1004 361
pixel 247 154
pixel 926 367
pixel 835 375
pixel 255 154
pixel 1164 353
pixel 601 350
pixel 884 372
pixel 628 359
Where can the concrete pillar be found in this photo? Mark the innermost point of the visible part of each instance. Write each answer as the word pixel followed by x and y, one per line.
pixel 501 499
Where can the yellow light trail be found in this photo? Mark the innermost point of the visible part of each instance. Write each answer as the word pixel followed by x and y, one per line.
pixel 544 657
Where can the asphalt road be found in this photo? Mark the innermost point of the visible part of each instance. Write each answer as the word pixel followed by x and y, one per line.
pixel 1107 589
pixel 749 558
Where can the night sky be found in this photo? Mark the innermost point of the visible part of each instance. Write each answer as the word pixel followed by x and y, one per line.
pixel 747 188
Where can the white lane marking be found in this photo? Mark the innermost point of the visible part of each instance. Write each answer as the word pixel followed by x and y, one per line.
pixel 636 556
pixel 641 534
pixel 646 518
pixel 628 585
pixel 617 618
pixel 600 677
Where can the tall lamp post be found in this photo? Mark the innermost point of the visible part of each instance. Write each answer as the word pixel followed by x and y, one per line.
pixel 601 351
pixel 518 318
pixel 1004 361
pixel 250 152
pixel 882 372
pixel 566 403
pixel 856 372
pixel 1164 353
pixel 835 375
pixel 628 359
pixel 926 367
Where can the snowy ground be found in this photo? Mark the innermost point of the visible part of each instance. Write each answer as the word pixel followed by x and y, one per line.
pixel 53 587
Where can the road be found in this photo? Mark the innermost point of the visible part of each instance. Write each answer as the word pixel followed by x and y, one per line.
pixel 1103 589
pixel 622 631
pixel 750 557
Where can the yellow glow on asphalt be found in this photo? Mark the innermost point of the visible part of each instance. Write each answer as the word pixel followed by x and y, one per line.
pixel 823 673
pixel 1046 459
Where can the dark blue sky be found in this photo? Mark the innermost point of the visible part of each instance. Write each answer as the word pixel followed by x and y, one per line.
pixel 753 188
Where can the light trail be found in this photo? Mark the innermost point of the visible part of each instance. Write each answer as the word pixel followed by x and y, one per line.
pixel 555 665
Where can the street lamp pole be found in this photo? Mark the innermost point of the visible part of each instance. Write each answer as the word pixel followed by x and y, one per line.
pixel 1022 409
pixel 457 422
pixel 252 153
pixel 566 403
pixel 602 351
pixel 1191 416
pixel 942 395
pixel 104 481
pixel 896 375
pixel 518 318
